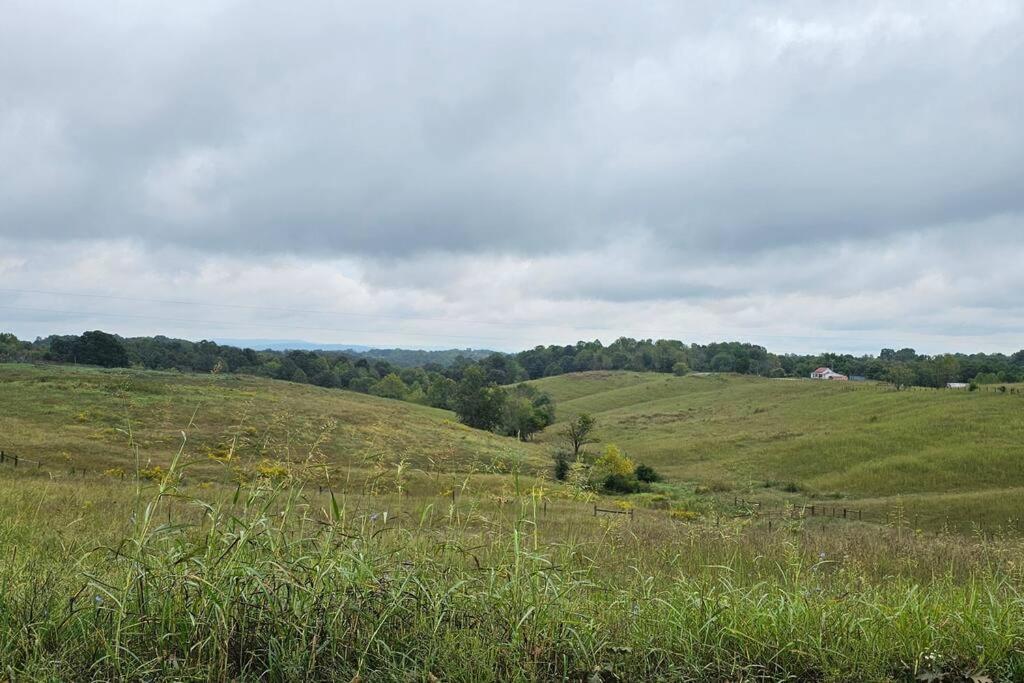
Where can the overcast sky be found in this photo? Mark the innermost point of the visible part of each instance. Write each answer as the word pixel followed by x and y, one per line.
pixel 804 175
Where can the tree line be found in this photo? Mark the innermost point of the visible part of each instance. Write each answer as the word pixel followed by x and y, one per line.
pixel 474 389
pixel 487 392
pixel 904 367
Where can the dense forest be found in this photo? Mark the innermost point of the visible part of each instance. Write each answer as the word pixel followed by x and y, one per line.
pixel 476 387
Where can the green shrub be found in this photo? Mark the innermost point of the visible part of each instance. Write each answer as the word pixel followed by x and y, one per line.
pixel 646 473
pixel 563 464
pixel 624 483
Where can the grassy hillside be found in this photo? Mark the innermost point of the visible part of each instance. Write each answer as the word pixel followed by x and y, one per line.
pixel 510 579
pixel 939 453
pixel 75 418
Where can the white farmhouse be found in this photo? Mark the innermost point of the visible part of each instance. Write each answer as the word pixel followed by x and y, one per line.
pixel 828 373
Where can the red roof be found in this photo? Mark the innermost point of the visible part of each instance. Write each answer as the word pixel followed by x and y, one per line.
pixel 820 371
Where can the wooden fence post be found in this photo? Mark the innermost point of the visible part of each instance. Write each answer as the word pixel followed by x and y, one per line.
pixel 860 515
pixel 15 459
pixel 812 511
pixel 3 456
pixel 844 513
pixel 595 509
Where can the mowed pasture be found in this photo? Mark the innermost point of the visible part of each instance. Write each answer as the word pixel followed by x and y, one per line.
pixel 939 455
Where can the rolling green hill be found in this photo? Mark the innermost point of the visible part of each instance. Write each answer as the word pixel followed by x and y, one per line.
pixel 939 455
pixel 186 579
pixel 937 452
pixel 79 418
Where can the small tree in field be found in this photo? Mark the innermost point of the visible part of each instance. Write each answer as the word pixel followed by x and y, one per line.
pixel 563 465
pixel 580 432
pixel 613 462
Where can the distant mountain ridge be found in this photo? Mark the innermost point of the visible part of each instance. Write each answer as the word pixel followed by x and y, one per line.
pixel 401 357
pixel 288 345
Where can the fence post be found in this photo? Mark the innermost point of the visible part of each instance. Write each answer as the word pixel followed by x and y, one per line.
pixel 631 511
pixel 3 456
pixel 15 459
pixel 769 524
pixel 812 511
pixel 844 513
pixel 860 515
pixel 545 507
pixel 595 509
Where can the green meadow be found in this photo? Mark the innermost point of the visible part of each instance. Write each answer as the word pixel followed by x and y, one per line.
pixel 75 419
pixel 944 456
pixel 212 528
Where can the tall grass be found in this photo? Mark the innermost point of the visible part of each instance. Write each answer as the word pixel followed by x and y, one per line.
pixel 268 581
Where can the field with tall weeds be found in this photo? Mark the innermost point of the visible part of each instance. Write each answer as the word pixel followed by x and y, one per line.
pixel 273 580
pixel 176 547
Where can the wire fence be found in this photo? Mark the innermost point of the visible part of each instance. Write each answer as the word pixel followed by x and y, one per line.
pixel 773 516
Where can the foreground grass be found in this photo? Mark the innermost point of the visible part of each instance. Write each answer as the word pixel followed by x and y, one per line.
pixel 373 540
pixel 272 581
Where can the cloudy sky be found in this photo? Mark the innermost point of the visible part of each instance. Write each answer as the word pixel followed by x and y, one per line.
pixel 805 175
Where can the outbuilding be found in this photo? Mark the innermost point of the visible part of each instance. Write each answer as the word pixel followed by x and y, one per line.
pixel 828 373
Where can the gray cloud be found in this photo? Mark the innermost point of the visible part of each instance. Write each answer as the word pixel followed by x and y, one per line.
pixel 584 168
pixel 396 129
